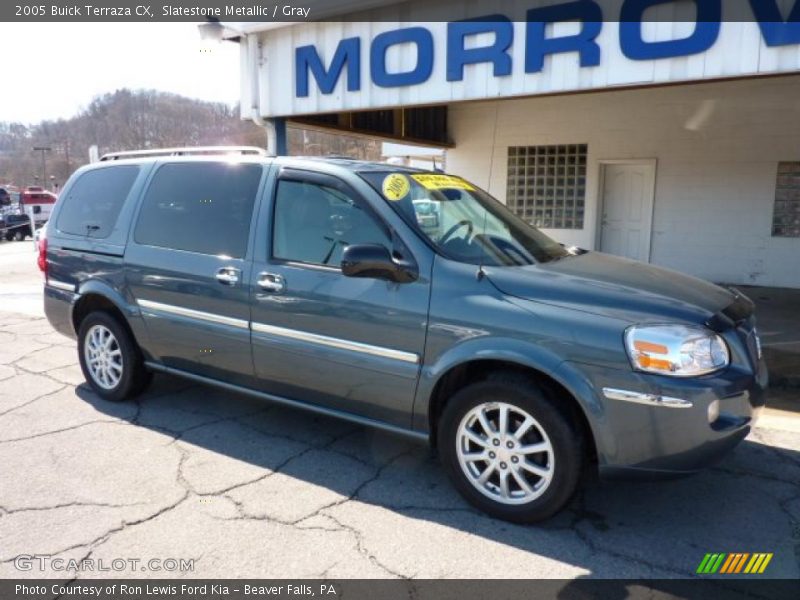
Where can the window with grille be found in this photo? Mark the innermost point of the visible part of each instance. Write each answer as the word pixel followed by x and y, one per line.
pixel 786 210
pixel 547 185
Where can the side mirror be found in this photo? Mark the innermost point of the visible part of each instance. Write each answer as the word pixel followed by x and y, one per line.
pixel 376 262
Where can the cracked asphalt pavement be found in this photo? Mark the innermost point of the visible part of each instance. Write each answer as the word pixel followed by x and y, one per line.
pixel 247 489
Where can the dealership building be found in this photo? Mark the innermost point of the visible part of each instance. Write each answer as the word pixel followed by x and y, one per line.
pixel 675 142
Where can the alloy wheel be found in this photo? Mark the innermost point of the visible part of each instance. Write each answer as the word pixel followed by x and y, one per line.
pixel 103 357
pixel 505 453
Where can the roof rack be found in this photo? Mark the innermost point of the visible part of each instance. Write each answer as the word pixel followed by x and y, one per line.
pixel 197 150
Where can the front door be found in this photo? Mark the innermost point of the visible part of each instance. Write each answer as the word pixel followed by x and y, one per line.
pixel 345 343
pixel 188 266
pixel 627 205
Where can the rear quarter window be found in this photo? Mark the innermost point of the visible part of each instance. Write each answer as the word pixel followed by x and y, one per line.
pixel 94 201
pixel 200 207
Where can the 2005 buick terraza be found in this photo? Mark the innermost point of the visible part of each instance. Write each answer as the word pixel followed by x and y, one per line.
pixel 312 283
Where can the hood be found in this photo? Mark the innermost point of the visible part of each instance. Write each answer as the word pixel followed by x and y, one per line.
pixel 613 286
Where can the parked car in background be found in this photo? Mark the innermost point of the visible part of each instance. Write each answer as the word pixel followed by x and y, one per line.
pixel 323 284
pixel 40 201
pixel 16 227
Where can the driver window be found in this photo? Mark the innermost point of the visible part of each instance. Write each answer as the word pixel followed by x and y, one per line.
pixel 314 223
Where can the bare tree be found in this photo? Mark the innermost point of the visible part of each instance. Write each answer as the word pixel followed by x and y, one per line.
pixel 131 120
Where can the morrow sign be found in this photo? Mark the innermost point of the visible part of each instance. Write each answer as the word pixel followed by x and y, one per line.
pixel 561 47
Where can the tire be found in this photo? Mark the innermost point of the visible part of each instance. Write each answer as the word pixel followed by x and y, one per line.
pixel 19 236
pixel 119 373
pixel 550 426
pixel 9 236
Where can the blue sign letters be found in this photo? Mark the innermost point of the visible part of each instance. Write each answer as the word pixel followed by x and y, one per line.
pixel 377 57
pixel 497 54
pixel 774 30
pixel 709 14
pixel 538 45
pixel 306 59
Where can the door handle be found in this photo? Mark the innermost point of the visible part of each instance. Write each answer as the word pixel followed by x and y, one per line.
pixel 228 275
pixel 271 282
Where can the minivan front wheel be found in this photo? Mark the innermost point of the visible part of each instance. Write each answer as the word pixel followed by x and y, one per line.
pixel 510 449
pixel 110 359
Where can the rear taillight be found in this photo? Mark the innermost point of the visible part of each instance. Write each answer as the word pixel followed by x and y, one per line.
pixel 42 260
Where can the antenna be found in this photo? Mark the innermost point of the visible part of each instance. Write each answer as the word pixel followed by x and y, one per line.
pixel 480 274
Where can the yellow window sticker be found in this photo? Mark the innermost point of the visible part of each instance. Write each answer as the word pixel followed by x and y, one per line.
pixel 395 187
pixel 433 181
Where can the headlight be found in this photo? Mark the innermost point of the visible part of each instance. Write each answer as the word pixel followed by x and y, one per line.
pixel 676 350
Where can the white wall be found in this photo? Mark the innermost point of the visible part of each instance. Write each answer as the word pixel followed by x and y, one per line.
pixel 717 147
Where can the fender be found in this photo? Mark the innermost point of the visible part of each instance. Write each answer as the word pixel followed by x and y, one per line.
pixel 129 310
pixel 509 350
pixel 580 386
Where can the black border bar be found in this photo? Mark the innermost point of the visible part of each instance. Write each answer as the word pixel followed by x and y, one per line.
pixel 732 588
pixel 271 11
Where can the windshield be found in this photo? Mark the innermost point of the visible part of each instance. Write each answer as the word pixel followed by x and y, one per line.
pixel 464 223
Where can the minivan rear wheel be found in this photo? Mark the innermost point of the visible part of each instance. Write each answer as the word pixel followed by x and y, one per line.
pixel 510 449
pixel 110 359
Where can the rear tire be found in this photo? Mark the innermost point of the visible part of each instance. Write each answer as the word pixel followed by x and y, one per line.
pixel 19 236
pixel 110 358
pixel 527 466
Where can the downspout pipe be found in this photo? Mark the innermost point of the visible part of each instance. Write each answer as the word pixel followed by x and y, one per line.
pixel 274 128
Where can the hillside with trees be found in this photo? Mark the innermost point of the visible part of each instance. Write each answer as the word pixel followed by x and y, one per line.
pixel 132 120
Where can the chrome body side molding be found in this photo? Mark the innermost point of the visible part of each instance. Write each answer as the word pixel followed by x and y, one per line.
pixel 61 285
pixel 189 313
pixel 332 342
pixel 648 399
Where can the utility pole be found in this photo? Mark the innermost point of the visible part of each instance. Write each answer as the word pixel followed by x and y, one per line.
pixel 43 150
pixel 66 155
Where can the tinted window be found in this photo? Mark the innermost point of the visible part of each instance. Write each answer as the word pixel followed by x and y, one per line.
pixel 200 207
pixel 92 206
pixel 314 223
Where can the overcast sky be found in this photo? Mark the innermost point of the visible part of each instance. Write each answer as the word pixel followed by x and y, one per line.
pixel 51 70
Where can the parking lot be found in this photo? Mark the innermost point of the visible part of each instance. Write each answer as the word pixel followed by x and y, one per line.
pixel 246 489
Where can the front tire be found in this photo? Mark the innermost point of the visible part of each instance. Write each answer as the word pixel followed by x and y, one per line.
pixel 510 448
pixel 110 359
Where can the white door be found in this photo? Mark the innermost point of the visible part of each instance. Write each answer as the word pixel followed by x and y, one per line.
pixel 627 202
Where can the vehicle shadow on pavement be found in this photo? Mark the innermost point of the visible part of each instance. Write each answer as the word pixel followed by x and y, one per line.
pixel 267 462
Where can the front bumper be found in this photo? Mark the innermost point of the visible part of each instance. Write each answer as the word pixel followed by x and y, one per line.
pixel 640 440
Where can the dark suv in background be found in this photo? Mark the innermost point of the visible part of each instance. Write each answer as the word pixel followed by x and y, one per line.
pixel 319 284
pixel 15 226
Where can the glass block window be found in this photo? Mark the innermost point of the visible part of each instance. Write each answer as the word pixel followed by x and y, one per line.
pixel 786 211
pixel 547 185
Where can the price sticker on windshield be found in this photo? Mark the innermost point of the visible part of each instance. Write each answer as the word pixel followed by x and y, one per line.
pixel 435 181
pixel 395 187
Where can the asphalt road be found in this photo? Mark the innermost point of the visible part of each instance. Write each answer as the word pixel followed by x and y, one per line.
pixel 246 489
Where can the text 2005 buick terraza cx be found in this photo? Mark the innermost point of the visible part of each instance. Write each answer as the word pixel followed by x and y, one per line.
pixel 403 299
